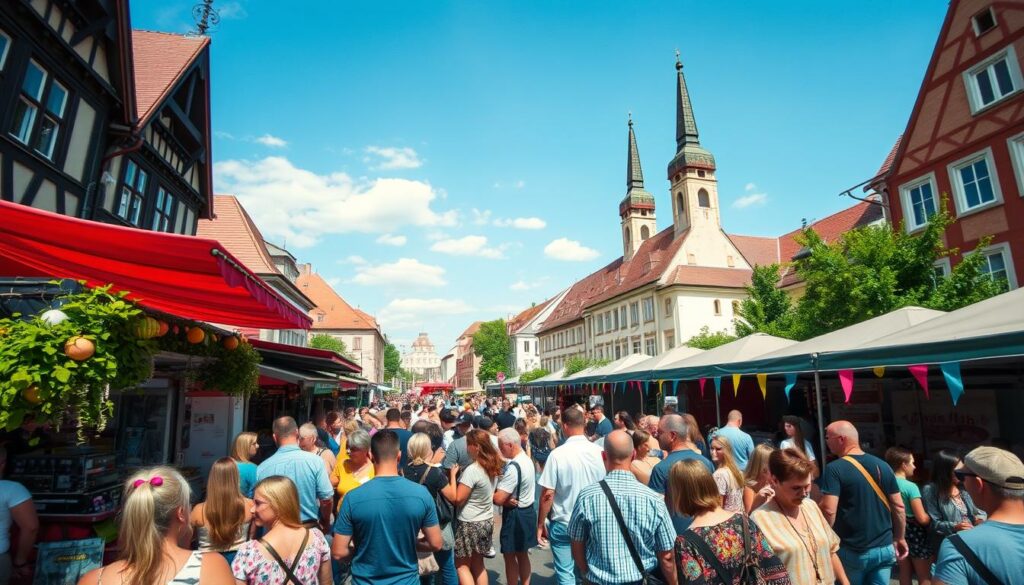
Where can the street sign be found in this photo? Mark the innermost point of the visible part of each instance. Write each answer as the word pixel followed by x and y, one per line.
pixel 501 377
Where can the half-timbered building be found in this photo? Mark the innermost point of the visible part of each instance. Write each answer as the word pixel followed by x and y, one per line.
pixel 102 122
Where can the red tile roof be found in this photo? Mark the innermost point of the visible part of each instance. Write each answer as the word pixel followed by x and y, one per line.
pixel 337 314
pixel 472 329
pixel 160 60
pixel 758 251
pixel 889 159
pixel 523 318
pixel 233 227
pixel 709 276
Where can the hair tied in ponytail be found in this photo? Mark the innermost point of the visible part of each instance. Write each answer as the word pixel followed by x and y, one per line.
pixel 155 481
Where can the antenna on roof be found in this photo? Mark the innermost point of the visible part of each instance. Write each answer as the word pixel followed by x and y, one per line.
pixel 206 17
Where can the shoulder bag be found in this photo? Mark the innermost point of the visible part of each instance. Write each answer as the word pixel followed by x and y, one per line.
pixel 289 570
pixel 747 571
pixel 871 481
pixel 972 559
pixel 645 577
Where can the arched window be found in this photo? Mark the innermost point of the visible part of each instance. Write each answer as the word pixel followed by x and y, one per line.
pixel 680 206
pixel 703 199
pixel 625 236
pixel 645 232
pixel 718 307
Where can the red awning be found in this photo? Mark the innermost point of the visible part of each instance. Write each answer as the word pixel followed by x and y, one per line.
pixel 186 276
pixel 432 387
pixel 306 357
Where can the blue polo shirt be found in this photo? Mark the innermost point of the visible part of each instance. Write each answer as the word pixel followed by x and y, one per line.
pixel 604 427
pixel 742 444
pixel 307 471
pixel 659 481
pixel 384 517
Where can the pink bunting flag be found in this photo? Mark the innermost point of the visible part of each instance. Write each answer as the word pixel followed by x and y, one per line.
pixel 701 381
pixel 920 373
pixel 846 379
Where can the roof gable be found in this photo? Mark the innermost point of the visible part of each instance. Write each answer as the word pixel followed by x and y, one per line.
pixel 160 61
pixel 331 312
pixel 233 228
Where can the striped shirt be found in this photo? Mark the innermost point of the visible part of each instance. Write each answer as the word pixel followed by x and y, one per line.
pixel 791 546
pixel 593 523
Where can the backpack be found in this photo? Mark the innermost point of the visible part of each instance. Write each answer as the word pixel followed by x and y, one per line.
pixel 540 445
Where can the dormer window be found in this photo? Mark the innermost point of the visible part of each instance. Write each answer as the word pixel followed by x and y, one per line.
pixel 984 21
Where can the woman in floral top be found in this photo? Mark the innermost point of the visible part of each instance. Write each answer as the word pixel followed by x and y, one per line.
pixel 287 546
pixel 717 532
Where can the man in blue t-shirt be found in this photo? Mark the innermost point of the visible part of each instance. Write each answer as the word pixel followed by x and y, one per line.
pixel 673 437
pixel 604 426
pixel 394 423
pixel 742 443
pixel 862 501
pixel 995 480
pixel 382 519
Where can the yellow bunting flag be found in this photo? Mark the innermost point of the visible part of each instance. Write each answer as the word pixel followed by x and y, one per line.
pixel 736 384
pixel 879 371
pixel 762 381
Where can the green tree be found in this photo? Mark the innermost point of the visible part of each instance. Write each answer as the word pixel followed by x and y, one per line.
pixel 708 340
pixel 492 344
pixel 767 308
pixel 578 363
pixel 392 362
pixel 876 269
pixel 330 343
pixel 531 375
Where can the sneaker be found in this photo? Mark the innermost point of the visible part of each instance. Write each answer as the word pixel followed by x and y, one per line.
pixel 491 553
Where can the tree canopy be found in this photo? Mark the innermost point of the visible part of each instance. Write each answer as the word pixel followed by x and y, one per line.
pixel 708 340
pixel 493 346
pixel 330 343
pixel 531 375
pixel 392 362
pixel 578 363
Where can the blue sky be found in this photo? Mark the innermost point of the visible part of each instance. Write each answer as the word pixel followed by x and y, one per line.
pixel 424 155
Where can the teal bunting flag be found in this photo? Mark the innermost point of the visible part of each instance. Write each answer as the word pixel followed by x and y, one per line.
pixel 718 386
pixel 955 382
pixel 790 382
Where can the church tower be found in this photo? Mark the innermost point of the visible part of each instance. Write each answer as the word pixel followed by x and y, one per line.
pixel 637 208
pixel 692 171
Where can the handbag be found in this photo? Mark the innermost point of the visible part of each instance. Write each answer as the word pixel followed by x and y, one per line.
pixel 645 577
pixel 425 559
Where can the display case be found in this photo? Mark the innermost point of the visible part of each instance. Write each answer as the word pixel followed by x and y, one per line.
pixel 74 481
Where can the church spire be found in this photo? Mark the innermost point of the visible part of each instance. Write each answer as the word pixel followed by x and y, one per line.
pixel 634 174
pixel 686 124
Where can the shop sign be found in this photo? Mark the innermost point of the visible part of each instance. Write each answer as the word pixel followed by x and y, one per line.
pixel 322 388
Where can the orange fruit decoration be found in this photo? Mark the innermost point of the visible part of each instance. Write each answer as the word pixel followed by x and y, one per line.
pixel 79 348
pixel 196 335
pixel 163 328
pixel 231 343
pixel 31 394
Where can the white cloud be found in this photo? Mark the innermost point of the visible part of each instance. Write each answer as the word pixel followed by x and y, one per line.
pixel 468 246
pixel 751 199
pixel 522 223
pixel 481 217
pixel 409 314
pixel 294 203
pixel 232 11
pixel 521 285
pixel 406 272
pixel 334 281
pixel 271 141
pixel 388 158
pixel 517 184
pixel 569 250
pixel 390 240
pixel 353 260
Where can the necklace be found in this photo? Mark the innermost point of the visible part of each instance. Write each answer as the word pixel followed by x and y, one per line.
pixel 812 547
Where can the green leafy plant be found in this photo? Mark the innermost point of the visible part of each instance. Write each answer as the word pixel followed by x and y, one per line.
pixel 531 375
pixel 578 363
pixel 707 339
pixel 231 371
pixel 39 378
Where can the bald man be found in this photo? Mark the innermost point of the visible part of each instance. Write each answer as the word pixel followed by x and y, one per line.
pixel 862 501
pixel 742 443
pixel 598 544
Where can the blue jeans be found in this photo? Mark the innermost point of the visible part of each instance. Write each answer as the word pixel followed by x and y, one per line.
pixel 561 551
pixel 870 567
pixel 447 575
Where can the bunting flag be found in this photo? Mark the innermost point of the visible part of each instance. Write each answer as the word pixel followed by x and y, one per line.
pixel 920 373
pixel 879 371
pixel 790 382
pixel 762 382
pixel 954 381
pixel 736 383
pixel 701 382
pixel 846 379
pixel 718 386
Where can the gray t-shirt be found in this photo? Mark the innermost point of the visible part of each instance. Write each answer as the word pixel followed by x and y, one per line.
pixel 480 505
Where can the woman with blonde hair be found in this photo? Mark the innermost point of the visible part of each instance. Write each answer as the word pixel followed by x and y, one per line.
pixel 245 447
pixel 223 522
pixel 757 488
pixel 473 493
pixel 643 462
pixel 154 533
pixel 727 476
pixel 421 470
pixel 717 541
pixel 288 553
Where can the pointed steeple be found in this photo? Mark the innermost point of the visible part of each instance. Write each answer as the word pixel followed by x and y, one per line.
pixel 686 124
pixel 634 174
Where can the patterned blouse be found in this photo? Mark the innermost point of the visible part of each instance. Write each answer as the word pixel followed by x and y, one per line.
pixel 731 490
pixel 726 540
pixel 256 567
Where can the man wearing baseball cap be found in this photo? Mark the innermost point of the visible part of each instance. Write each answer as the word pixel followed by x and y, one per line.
pixel 457 453
pixel 992 552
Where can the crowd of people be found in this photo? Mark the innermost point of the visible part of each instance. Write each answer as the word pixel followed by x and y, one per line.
pixel 418 493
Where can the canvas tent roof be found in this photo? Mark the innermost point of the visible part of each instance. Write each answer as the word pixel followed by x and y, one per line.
pixel 655 363
pixel 601 373
pixel 714 362
pixel 557 377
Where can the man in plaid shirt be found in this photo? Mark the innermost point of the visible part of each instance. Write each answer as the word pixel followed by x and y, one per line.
pixel 598 546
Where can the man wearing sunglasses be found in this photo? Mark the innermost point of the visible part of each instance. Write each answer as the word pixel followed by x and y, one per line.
pixel 992 552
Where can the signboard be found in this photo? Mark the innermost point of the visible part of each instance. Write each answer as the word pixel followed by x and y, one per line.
pixel 597 400
pixel 932 424
pixel 672 401
pixel 65 562
pixel 500 377
pixel 321 388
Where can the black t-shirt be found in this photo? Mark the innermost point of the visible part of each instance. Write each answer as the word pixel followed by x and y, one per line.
pixel 505 419
pixel 862 521
pixel 435 482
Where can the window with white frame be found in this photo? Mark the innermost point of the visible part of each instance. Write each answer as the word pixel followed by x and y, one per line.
pixel 919 201
pixel 983 21
pixel 636 346
pixel 975 184
pixel 998 266
pixel 649 346
pixel 618 351
pixel 670 340
pixel 1016 147
pixel 648 309
pixel 133 193
pixel 668 307
pixel 993 80
pixel 600 325
pixel 942 269
pixel 622 317
pixel 634 314
pixel 615 318
pixel 607 320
